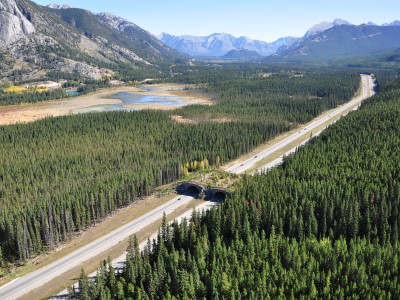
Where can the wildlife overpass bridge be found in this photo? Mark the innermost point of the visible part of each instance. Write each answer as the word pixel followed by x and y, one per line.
pixel 190 187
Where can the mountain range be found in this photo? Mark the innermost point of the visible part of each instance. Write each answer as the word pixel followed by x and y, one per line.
pixel 330 41
pixel 219 44
pixel 323 40
pixel 35 40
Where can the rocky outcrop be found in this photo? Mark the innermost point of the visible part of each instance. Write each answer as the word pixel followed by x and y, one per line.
pixel 71 66
pixel 154 46
pixel 14 25
pixel 321 27
pixel 57 6
pixel 74 40
pixel 116 22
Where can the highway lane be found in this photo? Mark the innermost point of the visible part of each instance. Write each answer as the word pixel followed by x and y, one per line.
pixel 23 285
pixel 38 278
pixel 367 86
pixel 367 91
pixel 119 262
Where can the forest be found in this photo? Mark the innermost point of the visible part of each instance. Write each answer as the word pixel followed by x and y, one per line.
pixel 61 175
pixel 23 95
pixel 30 96
pixel 323 225
pixel 293 96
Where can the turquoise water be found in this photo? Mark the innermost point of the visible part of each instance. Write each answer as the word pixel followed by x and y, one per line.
pixel 72 93
pixel 133 99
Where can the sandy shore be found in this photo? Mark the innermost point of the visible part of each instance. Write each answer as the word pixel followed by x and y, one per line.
pixel 26 113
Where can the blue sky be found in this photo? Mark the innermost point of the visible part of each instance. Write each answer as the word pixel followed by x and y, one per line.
pixel 258 19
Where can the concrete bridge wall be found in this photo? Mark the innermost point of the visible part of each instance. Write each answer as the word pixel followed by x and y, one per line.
pixel 215 191
pixel 187 186
pixel 209 193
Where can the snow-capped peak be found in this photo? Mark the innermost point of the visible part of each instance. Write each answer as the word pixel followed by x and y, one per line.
pixel 325 26
pixel 338 22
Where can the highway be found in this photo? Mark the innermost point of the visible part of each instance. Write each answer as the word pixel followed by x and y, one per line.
pixel 240 167
pixel 119 262
pixel 38 278
pixel 367 91
pixel 305 131
pixel 23 285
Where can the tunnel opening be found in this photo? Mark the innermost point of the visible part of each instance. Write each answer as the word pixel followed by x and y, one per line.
pixel 193 190
pixel 218 197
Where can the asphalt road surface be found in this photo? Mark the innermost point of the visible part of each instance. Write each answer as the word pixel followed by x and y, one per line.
pixel 119 262
pixel 36 279
pixel 367 91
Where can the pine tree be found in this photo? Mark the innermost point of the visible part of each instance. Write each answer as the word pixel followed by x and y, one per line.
pixel 85 287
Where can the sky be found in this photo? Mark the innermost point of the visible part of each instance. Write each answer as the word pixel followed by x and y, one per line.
pixel 265 20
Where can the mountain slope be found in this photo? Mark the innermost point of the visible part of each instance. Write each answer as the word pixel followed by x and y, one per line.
pixel 241 55
pixel 325 26
pixel 394 57
pixel 121 32
pixel 219 44
pixel 75 40
pixel 344 41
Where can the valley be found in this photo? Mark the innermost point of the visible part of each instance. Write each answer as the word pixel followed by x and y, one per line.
pixel 108 155
pixel 272 156
pixel 85 254
pixel 203 163
pixel 174 94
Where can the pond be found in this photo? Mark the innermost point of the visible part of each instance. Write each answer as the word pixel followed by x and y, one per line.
pixel 72 93
pixel 132 101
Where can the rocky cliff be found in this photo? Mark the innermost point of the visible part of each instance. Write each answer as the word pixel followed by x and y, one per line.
pixel 60 38
pixel 14 24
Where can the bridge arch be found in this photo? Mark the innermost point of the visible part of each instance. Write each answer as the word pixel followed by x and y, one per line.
pixel 218 194
pixel 190 187
pixel 193 188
